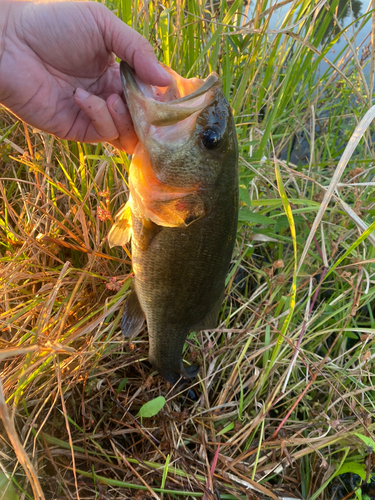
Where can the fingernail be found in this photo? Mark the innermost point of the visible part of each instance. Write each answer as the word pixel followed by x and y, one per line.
pixel 119 106
pixel 163 72
pixel 81 94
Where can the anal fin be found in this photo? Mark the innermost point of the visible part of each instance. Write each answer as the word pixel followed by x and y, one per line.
pixel 133 318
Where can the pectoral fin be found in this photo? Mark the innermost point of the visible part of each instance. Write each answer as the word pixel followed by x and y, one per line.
pixel 133 318
pixel 165 205
pixel 121 231
pixel 148 232
pixel 180 212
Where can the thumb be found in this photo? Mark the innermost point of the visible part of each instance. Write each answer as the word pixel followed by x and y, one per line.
pixel 130 46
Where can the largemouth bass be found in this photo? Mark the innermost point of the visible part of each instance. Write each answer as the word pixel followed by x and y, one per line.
pixel 182 212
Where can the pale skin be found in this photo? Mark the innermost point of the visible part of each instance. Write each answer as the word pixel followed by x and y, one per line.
pixel 58 70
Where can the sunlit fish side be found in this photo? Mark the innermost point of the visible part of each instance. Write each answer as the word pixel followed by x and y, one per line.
pixel 182 212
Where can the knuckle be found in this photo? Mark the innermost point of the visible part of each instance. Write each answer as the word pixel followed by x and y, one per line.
pixel 97 8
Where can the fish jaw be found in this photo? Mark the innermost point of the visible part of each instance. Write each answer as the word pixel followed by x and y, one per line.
pixel 152 107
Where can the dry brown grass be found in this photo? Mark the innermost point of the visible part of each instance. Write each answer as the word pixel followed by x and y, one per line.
pixel 72 386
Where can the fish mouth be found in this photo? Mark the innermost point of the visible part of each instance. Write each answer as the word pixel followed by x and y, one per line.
pixel 167 113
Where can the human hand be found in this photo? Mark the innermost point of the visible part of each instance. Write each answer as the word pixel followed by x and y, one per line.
pixel 48 50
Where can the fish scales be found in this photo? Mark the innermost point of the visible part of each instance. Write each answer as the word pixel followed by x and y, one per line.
pixel 180 280
pixel 184 210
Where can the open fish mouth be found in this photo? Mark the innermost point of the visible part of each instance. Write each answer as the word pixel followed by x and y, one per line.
pixel 167 113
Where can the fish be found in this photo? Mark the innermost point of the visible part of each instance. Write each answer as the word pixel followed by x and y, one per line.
pixel 181 214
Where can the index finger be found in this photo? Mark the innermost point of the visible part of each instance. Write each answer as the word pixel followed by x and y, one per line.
pixel 130 46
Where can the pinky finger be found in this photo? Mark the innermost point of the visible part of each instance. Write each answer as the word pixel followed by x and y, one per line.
pixel 101 120
pixel 127 138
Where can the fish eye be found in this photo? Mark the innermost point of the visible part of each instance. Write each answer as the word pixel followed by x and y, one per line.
pixel 211 138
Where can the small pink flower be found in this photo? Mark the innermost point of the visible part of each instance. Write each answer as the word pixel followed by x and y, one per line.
pixel 114 284
pixel 105 194
pixel 103 215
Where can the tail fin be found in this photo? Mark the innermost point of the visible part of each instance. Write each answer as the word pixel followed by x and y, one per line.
pixel 186 372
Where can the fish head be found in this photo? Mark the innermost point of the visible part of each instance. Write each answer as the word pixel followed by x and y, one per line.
pixel 186 142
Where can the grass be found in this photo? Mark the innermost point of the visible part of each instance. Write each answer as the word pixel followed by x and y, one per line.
pixel 284 401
